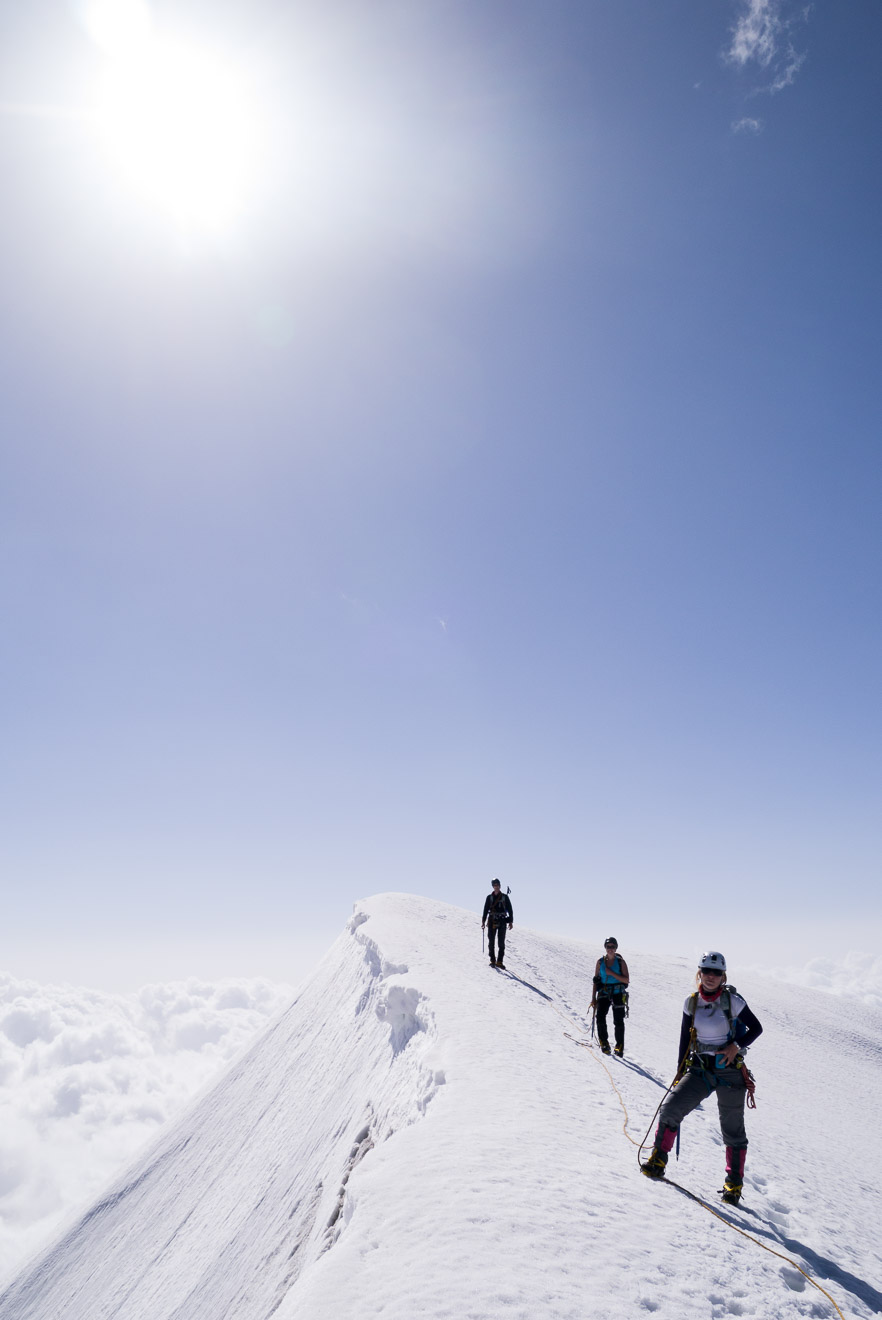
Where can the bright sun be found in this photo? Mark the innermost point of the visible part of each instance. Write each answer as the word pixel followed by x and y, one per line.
pixel 181 126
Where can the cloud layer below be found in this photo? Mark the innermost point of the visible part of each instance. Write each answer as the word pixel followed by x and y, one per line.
pixel 87 1077
pixel 857 975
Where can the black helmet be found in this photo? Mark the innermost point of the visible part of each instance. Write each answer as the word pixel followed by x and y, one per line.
pixel 610 939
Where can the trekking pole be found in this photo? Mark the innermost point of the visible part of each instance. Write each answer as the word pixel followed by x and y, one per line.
pixel 593 1016
pixel 482 938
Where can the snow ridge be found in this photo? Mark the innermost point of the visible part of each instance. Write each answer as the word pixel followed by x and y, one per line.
pixel 416 1137
pixel 252 1186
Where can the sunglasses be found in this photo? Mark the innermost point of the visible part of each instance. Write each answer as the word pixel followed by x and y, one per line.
pixel 709 971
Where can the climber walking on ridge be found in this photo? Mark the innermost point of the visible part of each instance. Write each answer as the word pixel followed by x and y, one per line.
pixel 717 1027
pixel 611 980
pixel 498 914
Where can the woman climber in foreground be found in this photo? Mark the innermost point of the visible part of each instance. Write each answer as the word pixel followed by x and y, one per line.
pixel 717 1027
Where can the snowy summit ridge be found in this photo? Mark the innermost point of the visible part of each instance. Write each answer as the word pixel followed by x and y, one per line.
pixel 417 1136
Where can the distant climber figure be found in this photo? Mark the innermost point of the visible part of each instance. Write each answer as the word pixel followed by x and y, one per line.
pixel 724 1027
pixel 498 914
pixel 611 980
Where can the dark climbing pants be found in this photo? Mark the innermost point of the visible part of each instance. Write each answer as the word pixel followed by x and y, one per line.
pixel 497 932
pixel 604 1003
pixel 697 1086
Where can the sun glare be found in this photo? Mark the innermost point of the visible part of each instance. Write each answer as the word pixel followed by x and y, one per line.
pixel 180 124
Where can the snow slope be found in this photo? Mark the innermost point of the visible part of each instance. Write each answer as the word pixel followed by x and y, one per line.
pixel 88 1077
pixel 416 1136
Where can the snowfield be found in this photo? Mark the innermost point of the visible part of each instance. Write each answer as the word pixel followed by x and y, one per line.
pixel 419 1136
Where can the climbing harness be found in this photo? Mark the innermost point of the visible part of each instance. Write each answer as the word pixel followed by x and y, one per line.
pixel 694 1055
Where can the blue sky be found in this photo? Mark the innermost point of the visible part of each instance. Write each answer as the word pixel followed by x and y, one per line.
pixel 497 493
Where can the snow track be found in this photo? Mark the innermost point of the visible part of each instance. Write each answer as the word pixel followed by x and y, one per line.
pixel 416 1136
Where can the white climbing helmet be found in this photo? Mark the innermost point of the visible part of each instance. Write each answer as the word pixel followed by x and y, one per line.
pixel 712 962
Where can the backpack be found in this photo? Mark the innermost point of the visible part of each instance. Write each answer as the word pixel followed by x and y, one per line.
pixel 497 912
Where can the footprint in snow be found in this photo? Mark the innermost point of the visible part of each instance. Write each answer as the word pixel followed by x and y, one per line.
pixel 728 1305
pixel 793 1278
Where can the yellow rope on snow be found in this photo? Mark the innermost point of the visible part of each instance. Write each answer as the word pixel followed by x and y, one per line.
pixel 685 1190
pixel 751 1238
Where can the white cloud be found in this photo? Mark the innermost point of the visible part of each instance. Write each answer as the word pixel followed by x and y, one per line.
pixel 791 65
pixel 87 1077
pixel 755 35
pixel 748 125
pixel 761 36
pixel 857 975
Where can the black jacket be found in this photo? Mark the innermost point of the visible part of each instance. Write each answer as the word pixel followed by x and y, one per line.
pixel 498 909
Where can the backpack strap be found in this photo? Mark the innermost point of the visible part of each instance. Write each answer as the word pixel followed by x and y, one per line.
pixel 725 1004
